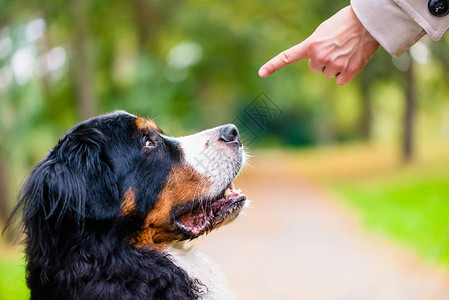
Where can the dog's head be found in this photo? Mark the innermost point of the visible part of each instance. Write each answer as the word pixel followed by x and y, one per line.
pixel 123 171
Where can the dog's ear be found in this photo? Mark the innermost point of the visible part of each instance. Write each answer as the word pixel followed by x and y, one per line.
pixel 76 179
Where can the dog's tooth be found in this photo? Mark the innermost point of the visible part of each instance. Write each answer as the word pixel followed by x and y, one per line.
pixel 227 192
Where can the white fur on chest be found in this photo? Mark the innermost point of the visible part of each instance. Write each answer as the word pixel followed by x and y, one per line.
pixel 199 266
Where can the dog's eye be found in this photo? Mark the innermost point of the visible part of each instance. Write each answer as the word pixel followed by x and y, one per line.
pixel 148 142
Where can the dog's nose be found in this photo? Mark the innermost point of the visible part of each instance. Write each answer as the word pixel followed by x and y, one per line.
pixel 229 133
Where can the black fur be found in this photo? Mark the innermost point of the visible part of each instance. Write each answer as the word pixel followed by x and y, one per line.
pixel 76 239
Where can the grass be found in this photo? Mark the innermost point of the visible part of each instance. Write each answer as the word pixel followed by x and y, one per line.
pixel 409 203
pixel 12 274
pixel 415 211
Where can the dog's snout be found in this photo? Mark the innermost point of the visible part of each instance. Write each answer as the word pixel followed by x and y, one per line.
pixel 229 134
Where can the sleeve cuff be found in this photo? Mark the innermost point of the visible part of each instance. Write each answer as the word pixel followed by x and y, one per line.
pixel 418 10
pixel 388 24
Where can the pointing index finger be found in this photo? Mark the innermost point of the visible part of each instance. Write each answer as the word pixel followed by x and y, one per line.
pixel 287 57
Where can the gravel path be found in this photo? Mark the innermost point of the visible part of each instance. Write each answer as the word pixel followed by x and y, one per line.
pixel 295 242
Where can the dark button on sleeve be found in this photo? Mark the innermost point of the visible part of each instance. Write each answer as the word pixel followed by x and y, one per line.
pixel 439 8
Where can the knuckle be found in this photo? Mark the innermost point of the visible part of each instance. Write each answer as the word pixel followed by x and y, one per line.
pixel 286 57
pixel 311 48
pixel 322 59
pixel 340 81
pixel 311 45
pixel 346 78
pixel 338 65
pixel 352 69
pixel 312 67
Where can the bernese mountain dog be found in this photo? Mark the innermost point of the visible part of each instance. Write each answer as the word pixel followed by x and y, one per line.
pixel 109 212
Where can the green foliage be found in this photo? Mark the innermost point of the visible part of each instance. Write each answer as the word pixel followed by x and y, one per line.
pixel 131 49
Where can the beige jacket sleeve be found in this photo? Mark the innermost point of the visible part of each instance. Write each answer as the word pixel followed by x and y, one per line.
pixel 398 24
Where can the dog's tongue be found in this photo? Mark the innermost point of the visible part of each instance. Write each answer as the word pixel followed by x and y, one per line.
pixel 200 219
pixel 195 222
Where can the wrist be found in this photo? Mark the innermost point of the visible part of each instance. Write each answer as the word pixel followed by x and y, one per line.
pixel 388 24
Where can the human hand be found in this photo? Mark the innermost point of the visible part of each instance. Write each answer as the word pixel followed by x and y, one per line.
pixel 340 47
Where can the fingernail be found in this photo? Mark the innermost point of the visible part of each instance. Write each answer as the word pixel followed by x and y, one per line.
pixel 263 73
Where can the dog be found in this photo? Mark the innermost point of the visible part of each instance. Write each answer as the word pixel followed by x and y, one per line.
pixel 109 212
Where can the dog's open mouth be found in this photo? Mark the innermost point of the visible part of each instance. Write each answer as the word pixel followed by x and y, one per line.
pixel 196 218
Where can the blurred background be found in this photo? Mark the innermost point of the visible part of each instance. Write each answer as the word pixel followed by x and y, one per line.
pixel 340 176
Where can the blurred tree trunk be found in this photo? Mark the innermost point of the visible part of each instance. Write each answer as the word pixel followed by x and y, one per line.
pixel 148 18
pixel 142 17
pixel 324 124
pixel 44 80
pixel 82 68
pixel 409 115
pixel 366 117
pixel 4 207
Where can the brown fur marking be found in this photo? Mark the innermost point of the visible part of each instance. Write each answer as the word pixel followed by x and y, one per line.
pixel 128 205
pixel 183 185
pixel 143 124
